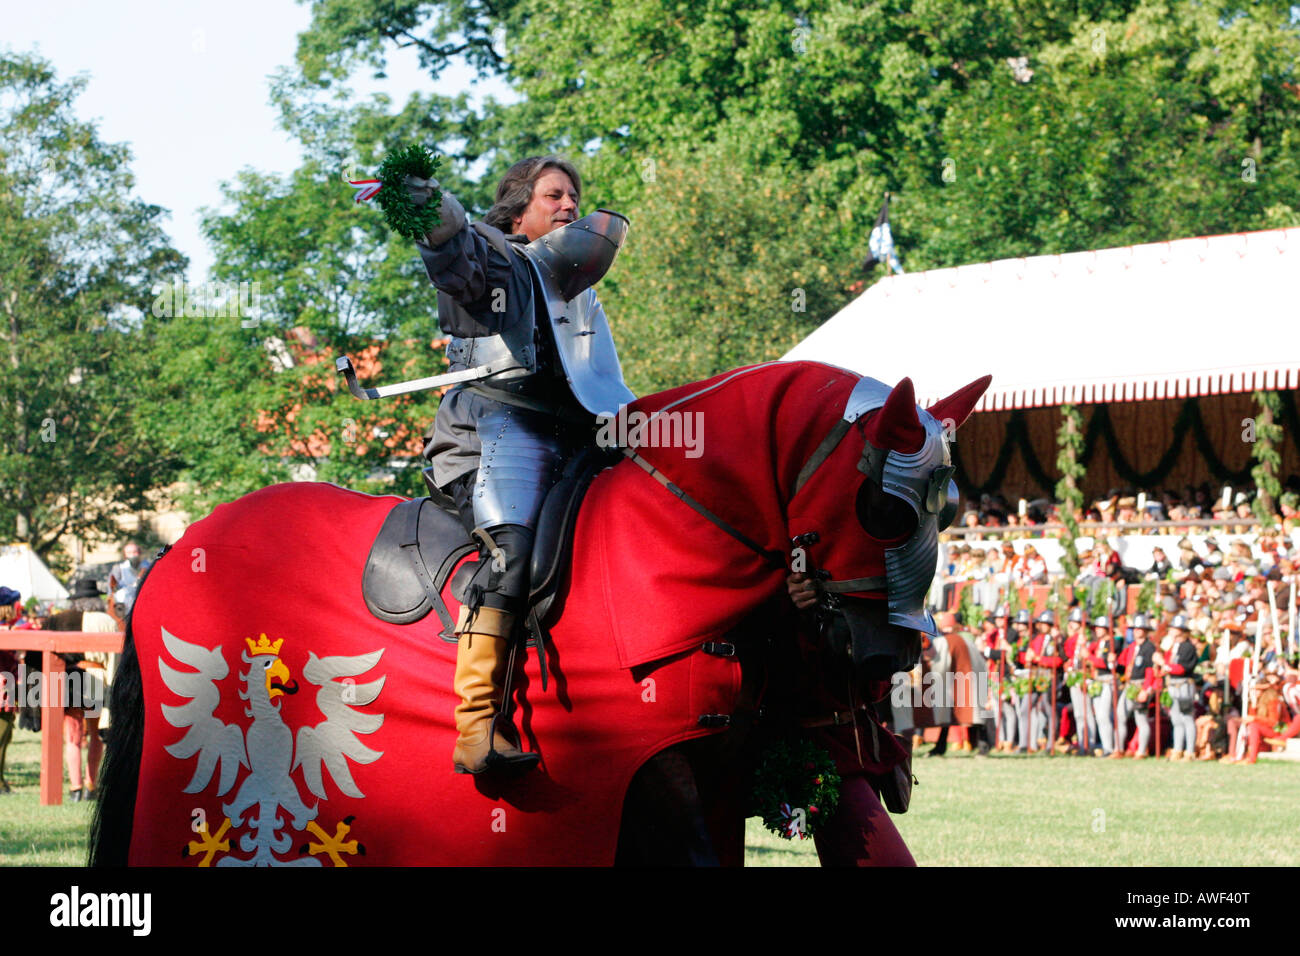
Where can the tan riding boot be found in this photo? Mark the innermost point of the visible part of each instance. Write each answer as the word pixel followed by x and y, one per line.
pixel 482 656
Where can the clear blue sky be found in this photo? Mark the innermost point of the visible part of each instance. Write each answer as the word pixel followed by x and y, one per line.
pixel 186 86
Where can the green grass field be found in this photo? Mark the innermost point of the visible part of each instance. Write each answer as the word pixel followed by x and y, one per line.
pixel 995 811
pixel 1070 811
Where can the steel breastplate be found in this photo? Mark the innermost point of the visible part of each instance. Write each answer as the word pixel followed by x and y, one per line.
pixel 584 345
pixel 579 336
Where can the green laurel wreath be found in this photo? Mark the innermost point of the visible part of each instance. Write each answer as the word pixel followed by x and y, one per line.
pixel 1166 699
pixel 1132 691
pixel 1072 680
pixel 401 213
pixel 1095 689
pixel 795 775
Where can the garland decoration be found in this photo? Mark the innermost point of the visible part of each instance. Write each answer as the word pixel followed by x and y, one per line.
pixel 1268 436
pixel 1100 429
pixel 1101 599
pixel 1070 440
pixel 401 213
pixel 969 613
pixel 795 788
pixel 1146 600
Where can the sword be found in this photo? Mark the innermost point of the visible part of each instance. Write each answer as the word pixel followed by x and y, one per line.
pixel 343 364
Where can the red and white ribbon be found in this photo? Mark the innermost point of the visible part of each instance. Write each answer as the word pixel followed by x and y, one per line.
pixel 366 189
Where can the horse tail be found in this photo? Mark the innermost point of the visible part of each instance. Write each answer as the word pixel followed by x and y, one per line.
pixel 110 828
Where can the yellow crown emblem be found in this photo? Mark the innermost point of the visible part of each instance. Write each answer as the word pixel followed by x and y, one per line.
pixel 263 646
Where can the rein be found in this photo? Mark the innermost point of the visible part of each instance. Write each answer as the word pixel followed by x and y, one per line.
pixel 774 559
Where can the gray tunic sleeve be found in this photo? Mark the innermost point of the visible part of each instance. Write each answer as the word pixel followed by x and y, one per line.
pixel 479 275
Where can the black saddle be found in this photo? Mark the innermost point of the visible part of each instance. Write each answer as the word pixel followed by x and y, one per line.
pixel 422 541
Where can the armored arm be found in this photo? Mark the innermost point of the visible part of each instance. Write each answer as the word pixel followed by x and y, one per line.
pixel 471 265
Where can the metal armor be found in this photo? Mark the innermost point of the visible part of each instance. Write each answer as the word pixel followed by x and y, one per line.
pixel 564 265
pixel 924 480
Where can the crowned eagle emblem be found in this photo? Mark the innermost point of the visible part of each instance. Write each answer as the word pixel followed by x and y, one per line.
pixel 268 802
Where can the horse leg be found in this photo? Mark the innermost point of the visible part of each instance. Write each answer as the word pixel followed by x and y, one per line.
pixel 663 818
pixel 860 832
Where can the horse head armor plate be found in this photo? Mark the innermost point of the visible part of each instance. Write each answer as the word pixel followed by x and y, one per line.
pixel 907 497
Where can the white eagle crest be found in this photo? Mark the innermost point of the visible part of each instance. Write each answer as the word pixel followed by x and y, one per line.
pixel 267 748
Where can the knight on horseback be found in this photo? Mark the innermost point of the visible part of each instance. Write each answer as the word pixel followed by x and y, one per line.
pixel 532 347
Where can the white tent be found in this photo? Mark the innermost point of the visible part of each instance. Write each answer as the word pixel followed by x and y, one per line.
pixel 27 574
pixel 1175 319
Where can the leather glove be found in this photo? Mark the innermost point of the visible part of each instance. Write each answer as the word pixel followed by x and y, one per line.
pixel 451 211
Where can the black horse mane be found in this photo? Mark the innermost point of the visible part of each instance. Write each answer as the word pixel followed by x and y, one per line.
pixel 110 828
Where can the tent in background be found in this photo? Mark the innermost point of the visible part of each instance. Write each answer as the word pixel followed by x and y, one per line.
pixel 27 574
pixel 1160 345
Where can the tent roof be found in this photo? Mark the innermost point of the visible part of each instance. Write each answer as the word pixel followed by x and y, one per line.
pixel 27 574
pixel 1172 319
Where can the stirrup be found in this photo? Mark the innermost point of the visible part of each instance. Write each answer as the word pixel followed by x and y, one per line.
pixel 496 762
pixel 499 763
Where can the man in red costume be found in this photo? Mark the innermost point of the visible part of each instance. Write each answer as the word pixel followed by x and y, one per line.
pixel 1137 661
pixel 1270 710
pixel 1043 659
pixel 1101 655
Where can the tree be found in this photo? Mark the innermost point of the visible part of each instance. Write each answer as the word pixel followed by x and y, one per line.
pixel 247 400
pixel 1162 125
pixel 724 266
pixel 76 265
pixel 1002 129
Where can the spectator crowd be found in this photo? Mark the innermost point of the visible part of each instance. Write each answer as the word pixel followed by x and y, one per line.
pixel 1192 655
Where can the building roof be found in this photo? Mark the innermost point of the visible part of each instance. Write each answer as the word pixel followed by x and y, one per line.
pixel 1174 319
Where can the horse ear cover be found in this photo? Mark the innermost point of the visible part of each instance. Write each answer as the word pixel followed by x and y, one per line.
pixel 896 426
pixel 958 406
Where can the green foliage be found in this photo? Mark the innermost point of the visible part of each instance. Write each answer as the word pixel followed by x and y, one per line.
pixel 1101 599
pixel 969 613
pixel 1134 126
pixel 1069 464
pixel 1056 597
pixel 725 265
pixel 1171 121
pixel 78 259
pixel 1148 599
pixel 333 280
pixel 401 213
pixel 795 774
pixel 1265 451
pixel 748 143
